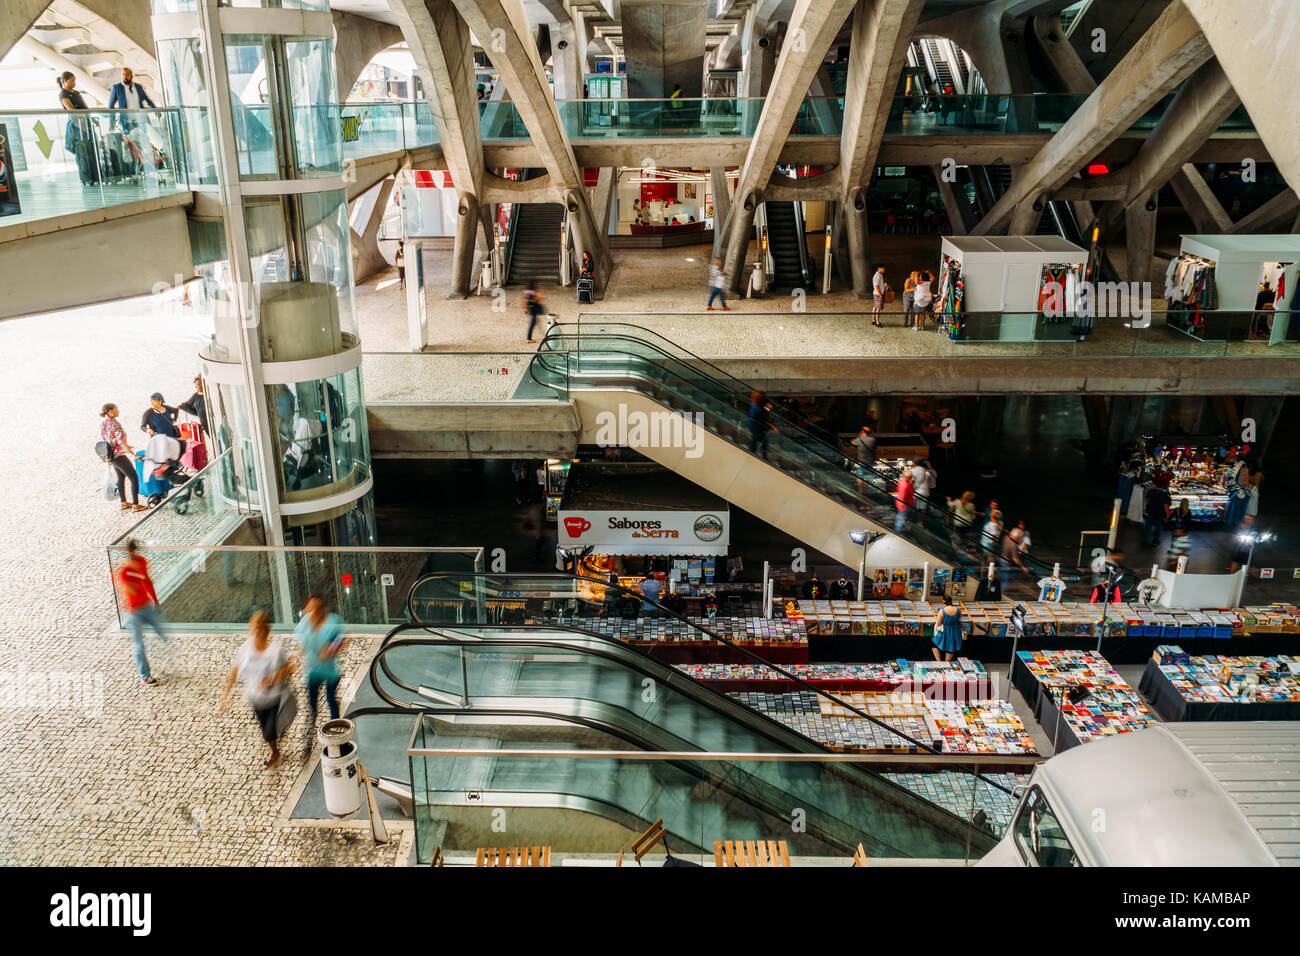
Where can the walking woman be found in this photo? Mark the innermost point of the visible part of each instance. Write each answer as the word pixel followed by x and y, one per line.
pixel 122 457
pixel 947 631
pixel 263 666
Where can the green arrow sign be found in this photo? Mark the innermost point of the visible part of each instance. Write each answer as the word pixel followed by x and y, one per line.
pixel 43 141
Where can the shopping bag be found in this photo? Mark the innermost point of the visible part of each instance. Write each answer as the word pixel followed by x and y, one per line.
pixel 110 484
pixel 287 711
pixel 191 432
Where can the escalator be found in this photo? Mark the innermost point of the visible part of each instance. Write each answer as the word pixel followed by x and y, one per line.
pixel 541 692
pixel 788 246
pixel 533 247
pixel 524 680
pixel 806 485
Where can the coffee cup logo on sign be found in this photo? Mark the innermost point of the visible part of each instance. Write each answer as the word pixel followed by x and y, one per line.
pixel 575 526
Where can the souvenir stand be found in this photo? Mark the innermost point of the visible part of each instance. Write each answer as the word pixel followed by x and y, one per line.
pixel 1011 288
pixel 1216 282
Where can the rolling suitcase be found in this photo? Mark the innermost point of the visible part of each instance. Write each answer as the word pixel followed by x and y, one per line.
pixel 586 291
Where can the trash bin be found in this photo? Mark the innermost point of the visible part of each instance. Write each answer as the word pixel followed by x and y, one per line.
pixel 338 768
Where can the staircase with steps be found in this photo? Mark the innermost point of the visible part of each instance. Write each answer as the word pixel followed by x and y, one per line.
pixel 535 243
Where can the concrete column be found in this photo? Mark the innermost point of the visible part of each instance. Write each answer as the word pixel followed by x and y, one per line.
pixel 505 22
pixel 357 41
pixel 959 211
pixel 721 186
pixel 990 411
pixel 663 41
pixel 881 34
pixel 1271 215
pixel 1200 202
pixel 1264 410
pixel 468 221
pixel 1123 421
pixel 602 205
pixel 1254 41
pixel 567 59
pixel 816 24
pixel 1073 75
pixel 1140 238
pixel 439 38
pixel 16 18
pixel 366 257
pixel 1167 54
pixel 1200 106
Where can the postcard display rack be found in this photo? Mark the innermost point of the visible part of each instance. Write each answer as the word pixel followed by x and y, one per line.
pixel 1235 265
pixel 1183 687
pixel 1007 275
pixel 1077 696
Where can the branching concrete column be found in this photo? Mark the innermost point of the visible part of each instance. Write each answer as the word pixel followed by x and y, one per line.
pixel 882 30
pixel 721 186
pixel 1271 215
pixel 502 27
pixel 16 18
pixel 439 38
pixel 1255 43
pixel 959 211
pixel 1167 54
pixel 1140 238
pixel 366 257
pixel 1200 202
pixel 813 26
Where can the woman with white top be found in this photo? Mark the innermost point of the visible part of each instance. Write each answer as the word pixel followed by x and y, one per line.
pixel 263 666
pixel 922 300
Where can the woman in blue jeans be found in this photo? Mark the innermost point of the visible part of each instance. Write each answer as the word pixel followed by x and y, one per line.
pixel 321 635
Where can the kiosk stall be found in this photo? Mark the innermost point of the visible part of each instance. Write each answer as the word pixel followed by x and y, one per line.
pixel 1012 288
pixel 1221 288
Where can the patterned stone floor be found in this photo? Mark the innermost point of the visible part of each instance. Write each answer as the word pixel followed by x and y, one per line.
pixel 100 769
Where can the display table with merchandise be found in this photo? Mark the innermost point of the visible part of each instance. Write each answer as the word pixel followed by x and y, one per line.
pixel 1078 696
pixel 883 630
pixel 1181 687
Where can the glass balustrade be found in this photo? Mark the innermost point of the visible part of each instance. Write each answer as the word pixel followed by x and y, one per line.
pixel 66 162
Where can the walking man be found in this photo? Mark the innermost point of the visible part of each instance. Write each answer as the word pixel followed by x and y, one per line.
pixel 141 603
pixel 717 285
pixel 878 288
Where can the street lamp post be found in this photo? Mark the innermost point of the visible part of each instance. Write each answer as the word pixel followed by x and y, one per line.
pixel 864 538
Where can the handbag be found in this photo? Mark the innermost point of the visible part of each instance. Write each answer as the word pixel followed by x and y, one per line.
pixel 287 710
pixel 104 450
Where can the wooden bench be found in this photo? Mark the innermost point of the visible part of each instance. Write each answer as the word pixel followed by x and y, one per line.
pixel 513 856
pixel 751 853
pixel 642 844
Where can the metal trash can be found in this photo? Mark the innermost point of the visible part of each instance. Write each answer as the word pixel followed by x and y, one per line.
pixel 338 768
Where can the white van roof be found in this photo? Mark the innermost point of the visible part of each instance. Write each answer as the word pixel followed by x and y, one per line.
pixel 1184 794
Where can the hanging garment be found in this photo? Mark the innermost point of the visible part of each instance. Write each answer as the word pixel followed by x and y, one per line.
pixel 1171 274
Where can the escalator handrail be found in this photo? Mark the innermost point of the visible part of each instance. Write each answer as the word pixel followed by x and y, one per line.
pixel 739 391
pixel 645 745
pixel 932 523
pixel 805 265
pixel 743 651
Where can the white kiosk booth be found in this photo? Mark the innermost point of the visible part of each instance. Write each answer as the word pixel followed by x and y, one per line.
pixel 1016 277
pixel 1242 267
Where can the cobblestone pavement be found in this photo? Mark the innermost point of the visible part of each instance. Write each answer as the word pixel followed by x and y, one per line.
pixel 107 770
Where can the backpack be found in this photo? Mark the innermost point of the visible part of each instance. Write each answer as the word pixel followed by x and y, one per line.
pixel 104 450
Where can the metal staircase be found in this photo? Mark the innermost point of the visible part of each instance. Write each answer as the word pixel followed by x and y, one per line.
pixel 533 251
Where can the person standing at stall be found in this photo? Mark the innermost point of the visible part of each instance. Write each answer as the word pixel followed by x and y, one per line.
pixel 947 631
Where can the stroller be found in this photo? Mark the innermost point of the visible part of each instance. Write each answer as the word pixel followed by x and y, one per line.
pixel 160 471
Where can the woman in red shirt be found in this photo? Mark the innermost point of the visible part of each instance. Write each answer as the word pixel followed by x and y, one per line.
pixel 122 457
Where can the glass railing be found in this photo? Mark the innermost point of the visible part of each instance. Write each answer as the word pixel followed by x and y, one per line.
pixel 1173 332
pixel 594 803
pixel 615 355
pixel 73 161
pixel 217 586
pixel 372 128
